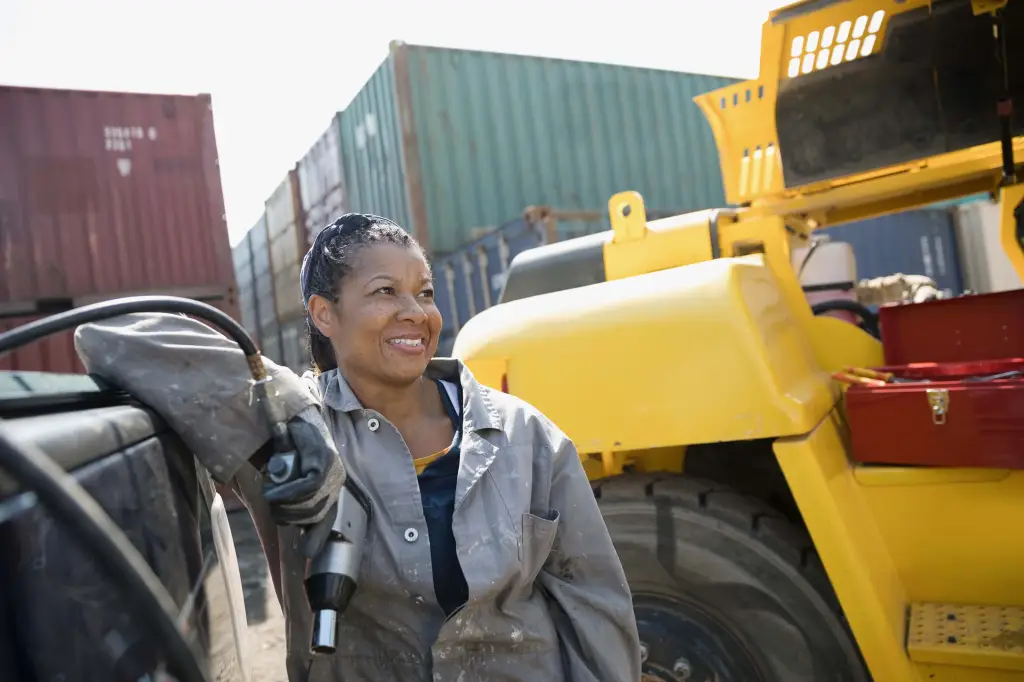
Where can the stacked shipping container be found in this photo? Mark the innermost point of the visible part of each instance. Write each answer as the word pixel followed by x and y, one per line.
pixel 451 143
pixel 103 195
pixel 321 186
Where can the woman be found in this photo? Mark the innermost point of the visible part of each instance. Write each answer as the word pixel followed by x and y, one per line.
pixel 486 557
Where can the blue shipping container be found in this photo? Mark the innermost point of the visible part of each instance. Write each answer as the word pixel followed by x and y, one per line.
pixel 919 242
pixel 470 280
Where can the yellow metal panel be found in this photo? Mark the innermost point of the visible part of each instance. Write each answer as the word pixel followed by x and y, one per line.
pixel 698 354
pixel 852 550
pixel 953 536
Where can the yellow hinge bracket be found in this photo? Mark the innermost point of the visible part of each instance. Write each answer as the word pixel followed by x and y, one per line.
pixel 628 217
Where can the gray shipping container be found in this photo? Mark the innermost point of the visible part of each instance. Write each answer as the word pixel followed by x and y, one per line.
pixel 470 280
pixel 287 246
pixel 450 143
pixel 263 284
pixel 321 184
pixel 293 346
pixel 242 259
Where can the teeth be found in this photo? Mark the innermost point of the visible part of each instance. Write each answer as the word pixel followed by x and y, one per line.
pixel 407 342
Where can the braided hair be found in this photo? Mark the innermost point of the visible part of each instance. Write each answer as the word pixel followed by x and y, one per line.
pixel 331 259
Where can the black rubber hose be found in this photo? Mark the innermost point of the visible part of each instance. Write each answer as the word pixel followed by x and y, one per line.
pixel 869 319
pixel 103 310
pixel 72 506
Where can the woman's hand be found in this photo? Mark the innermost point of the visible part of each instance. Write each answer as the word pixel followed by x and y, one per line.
pixel 309 499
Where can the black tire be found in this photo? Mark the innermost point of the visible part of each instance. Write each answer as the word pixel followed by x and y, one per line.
pixel 725 589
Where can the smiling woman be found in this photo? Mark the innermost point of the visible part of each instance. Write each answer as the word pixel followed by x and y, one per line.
pixel 478 502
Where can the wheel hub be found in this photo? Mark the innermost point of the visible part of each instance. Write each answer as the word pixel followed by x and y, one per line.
pixel 683 642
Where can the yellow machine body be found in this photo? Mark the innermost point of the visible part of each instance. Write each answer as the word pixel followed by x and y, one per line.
pixel 701 334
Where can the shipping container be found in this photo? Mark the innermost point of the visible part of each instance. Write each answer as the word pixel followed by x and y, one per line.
pixel 287 236
pixel 55 353
pixel 450 143
pixel 270 340
pixel 921 242
pixel 985 265
pixel 106 194
pixel 263 281
pixel 244 276
pixel 294 353
pixel 321 184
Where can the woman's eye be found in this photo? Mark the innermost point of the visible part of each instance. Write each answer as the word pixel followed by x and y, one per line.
pixel 389 291
pixel 427 293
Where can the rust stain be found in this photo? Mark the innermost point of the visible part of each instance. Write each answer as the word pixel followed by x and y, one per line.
pixel 1007 640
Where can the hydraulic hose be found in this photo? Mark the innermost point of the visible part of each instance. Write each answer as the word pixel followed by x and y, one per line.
pixel 281 464
pixel 71 505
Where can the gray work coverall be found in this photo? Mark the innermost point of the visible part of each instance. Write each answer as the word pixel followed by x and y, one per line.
pixel 548 599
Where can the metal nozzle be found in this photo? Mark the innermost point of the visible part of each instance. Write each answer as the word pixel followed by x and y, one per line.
pixel 325 631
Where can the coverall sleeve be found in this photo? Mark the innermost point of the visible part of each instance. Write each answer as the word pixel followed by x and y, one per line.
pixel 588 595
pixel 195 378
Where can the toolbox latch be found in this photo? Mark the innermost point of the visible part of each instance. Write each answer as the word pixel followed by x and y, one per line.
pixel 938 400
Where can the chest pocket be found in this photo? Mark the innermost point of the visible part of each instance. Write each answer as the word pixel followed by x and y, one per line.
pixel 537 541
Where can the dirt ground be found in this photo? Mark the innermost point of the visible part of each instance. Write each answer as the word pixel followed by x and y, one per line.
pixel 266 624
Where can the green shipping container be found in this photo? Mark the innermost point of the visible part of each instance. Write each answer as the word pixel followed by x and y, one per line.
pixel 453 143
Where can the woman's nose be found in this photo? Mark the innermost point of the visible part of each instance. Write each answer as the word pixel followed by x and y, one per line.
pixel 411 310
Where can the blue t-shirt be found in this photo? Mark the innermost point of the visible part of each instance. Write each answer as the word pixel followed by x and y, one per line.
pixel 437 490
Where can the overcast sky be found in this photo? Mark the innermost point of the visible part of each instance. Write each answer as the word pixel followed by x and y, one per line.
pixel 279 70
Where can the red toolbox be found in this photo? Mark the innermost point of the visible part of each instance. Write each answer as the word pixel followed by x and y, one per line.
pixel 966 328
pixel 952 414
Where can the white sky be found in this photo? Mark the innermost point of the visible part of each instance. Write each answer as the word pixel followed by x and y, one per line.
pixel 279 70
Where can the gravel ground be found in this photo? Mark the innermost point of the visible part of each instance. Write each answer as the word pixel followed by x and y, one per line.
pixel 266 624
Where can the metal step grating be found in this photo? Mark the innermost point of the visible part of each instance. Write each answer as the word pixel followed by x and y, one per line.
pixel 967 635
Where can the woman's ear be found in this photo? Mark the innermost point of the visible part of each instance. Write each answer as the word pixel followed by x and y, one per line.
pixel 322 314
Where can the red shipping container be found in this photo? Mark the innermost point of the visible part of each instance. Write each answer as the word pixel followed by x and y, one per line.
pixel 951 420
pixel 962 329
pixel 106 194
pixel 56 353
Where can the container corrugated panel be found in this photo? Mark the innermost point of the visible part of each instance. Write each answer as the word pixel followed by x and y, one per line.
pixel 287 246
pixel 371 150
pixel 487 134
pixel 263 282
pixel 321 184
pixel 55 353
pixel 470 280
pixel 919 242
pixel 270 340
pixel 242 255
pixel 104 194
pixel 293 346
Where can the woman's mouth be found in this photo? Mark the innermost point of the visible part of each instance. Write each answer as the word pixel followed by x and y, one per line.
pixel 409 345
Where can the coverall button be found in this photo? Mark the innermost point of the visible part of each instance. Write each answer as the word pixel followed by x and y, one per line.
pixel 411 534
pixel 373 423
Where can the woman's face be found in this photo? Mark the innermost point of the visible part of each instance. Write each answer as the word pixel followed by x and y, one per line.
pixel 385 325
